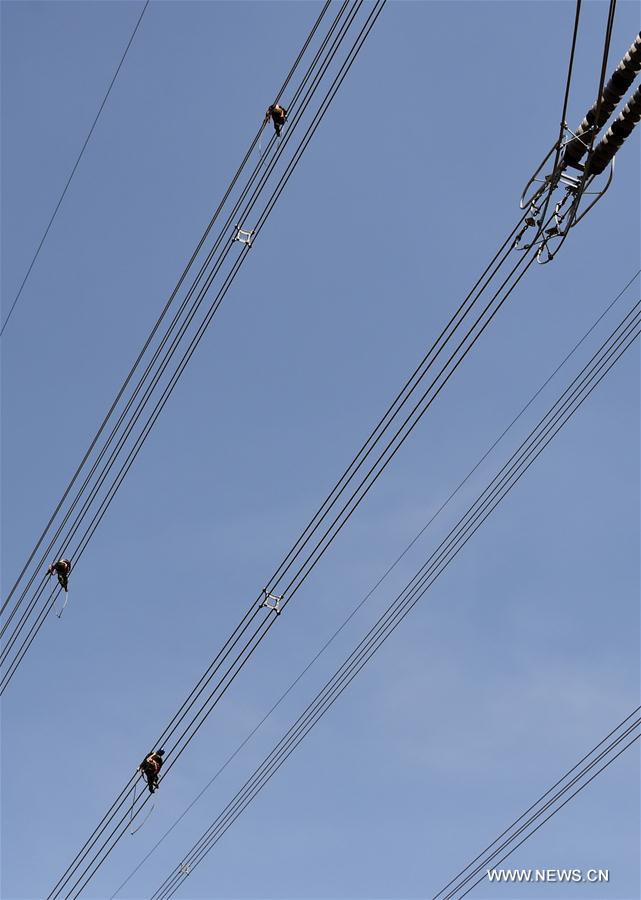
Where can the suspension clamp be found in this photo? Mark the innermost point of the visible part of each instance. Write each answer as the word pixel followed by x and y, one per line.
pixel 275 601
pixel 243 236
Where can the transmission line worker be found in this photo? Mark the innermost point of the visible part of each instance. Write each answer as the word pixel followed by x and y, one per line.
pixel 277 114
pixel 62 569
pixel 150 768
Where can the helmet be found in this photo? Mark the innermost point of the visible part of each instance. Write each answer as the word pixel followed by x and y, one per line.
pixel 160 752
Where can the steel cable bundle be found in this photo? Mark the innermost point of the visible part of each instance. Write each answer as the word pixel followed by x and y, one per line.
pixel 510 473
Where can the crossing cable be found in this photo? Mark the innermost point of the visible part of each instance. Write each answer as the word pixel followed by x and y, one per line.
pixel 606 753
pixel 73 171
pixel 562 410
pixel 157 326
pixel 387 572
pixel 209 703
pixel 139 410
pixel 141 405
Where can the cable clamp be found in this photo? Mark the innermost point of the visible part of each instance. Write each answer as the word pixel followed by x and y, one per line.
pixel 243 235
pixel 275 599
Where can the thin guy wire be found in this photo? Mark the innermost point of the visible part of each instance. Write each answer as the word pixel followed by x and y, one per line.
pixel 73 171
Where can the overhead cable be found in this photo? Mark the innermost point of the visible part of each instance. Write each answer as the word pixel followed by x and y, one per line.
pixel 73 171
pixel 534 817
pixel 164 311
pixel 243 655
pixel 387 572
pixel 124 436
pixel 77 552
pixel 256 634
pixel 571 399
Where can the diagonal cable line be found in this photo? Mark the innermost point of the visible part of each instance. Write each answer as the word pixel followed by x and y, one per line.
pixel 565 802
pixel 158 374
pixel 250 645
pixel 562 410
pixel 372 18
pixel 211 700
pixel 387 572
pixel 422 581
pixel 257 635
pixel 138 413
pixel 46 609
pixel 75 166
pixel 602 754
pixel 535 804
pixel 569 75
pixel 213 697
pixel 157 325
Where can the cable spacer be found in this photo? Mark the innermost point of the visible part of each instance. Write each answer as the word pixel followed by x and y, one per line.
pixel 243 235
pixel 185 868
pixel 275 605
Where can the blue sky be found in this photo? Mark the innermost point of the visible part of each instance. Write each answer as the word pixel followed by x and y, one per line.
pixel 523 655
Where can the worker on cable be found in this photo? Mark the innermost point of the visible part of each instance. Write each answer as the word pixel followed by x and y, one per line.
pixel 277 114
pixel 62 569
pixel 150 768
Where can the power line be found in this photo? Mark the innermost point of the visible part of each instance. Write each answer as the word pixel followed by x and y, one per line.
pixel 75 555
pixel 251 644
pixel 510 473
pixel 139 410
pixel 383 628
pixel 387 572
pixel 158 323
pixel 471 336
pixel 580 778
pixel 75 166
pixel 259 633
pixel 249 647
pixel 474 326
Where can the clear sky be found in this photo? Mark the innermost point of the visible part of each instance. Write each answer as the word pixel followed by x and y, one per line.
pixel 523 655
